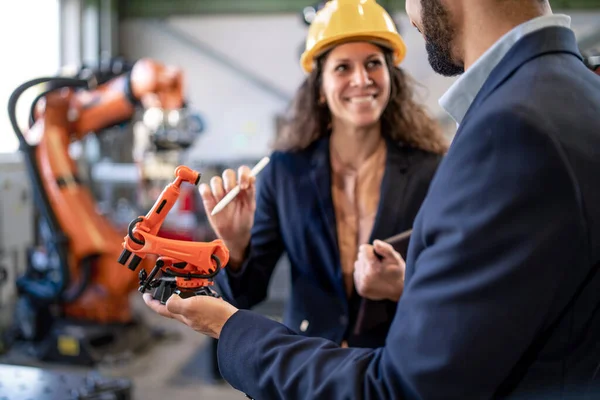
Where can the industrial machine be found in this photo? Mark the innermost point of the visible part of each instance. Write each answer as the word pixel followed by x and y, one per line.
pixel 589 47
pixel 309 12
pixel 74 296
pixel 16 234
pixel 593 63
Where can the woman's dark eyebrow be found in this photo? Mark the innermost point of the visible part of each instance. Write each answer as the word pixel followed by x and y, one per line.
pixel 340 60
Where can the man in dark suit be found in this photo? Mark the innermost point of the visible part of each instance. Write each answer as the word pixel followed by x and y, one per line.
pixel 501 293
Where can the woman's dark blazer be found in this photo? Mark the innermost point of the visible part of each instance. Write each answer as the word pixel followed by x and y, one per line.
pixel 295 214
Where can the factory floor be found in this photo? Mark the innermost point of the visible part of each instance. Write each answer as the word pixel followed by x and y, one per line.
pixel 176 367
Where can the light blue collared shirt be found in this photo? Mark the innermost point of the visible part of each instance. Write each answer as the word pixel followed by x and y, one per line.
pixel 457 100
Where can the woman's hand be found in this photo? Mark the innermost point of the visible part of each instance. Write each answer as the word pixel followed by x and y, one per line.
pixel 234 222
pixel 377 279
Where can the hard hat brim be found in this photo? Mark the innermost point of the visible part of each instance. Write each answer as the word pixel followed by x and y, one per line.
pixel 389 40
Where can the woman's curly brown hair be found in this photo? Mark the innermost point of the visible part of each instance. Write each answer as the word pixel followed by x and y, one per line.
pixel 403 119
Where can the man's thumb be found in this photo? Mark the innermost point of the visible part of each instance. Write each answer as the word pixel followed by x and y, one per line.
pixel 175 304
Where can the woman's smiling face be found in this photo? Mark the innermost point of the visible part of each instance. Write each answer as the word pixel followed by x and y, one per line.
pixel 356 84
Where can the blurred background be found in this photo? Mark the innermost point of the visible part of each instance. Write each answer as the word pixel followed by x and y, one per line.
pixel 240 67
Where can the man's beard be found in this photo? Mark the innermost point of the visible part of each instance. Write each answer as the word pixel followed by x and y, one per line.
pixel 438 35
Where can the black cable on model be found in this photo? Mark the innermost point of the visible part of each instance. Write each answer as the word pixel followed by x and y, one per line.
pixel 189 275
pixel 132 225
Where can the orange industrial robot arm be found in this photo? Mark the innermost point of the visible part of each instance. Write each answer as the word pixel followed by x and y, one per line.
pixel 186 268
pixel 86 278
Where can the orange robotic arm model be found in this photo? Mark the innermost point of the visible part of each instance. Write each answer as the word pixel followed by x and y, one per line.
pixel 186 268
pixel 82 247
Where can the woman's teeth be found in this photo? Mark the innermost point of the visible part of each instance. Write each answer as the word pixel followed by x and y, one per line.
pixel 362 99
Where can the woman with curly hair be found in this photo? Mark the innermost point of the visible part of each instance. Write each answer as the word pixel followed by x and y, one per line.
pixel 351 164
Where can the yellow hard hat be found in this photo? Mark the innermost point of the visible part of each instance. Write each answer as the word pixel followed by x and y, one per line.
pixel 348 20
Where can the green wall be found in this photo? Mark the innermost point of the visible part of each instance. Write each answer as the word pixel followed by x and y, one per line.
pixel 165 8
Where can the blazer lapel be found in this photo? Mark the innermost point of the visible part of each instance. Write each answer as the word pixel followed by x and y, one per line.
pixel 536 44
pixel 389 213
pixel 393 184
pixel 320 174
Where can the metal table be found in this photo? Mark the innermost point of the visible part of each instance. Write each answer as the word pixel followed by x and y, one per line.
pixel 30 383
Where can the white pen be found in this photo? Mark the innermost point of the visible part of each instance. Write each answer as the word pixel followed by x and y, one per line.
pixel 236 190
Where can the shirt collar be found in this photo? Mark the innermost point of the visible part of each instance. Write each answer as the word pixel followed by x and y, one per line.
pixel 459 97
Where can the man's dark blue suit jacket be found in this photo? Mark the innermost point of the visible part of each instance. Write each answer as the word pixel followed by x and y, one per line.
pixel 507 233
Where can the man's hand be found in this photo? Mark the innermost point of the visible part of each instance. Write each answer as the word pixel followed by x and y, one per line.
pixel 379 280
pixel 203 314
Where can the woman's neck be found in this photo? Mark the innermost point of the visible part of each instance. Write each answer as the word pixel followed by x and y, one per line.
pixel 353 146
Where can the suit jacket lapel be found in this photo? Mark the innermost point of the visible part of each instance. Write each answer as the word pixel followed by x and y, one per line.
pixel 536 44
pixel 393 185
pixel 321 178
pixel 391 205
